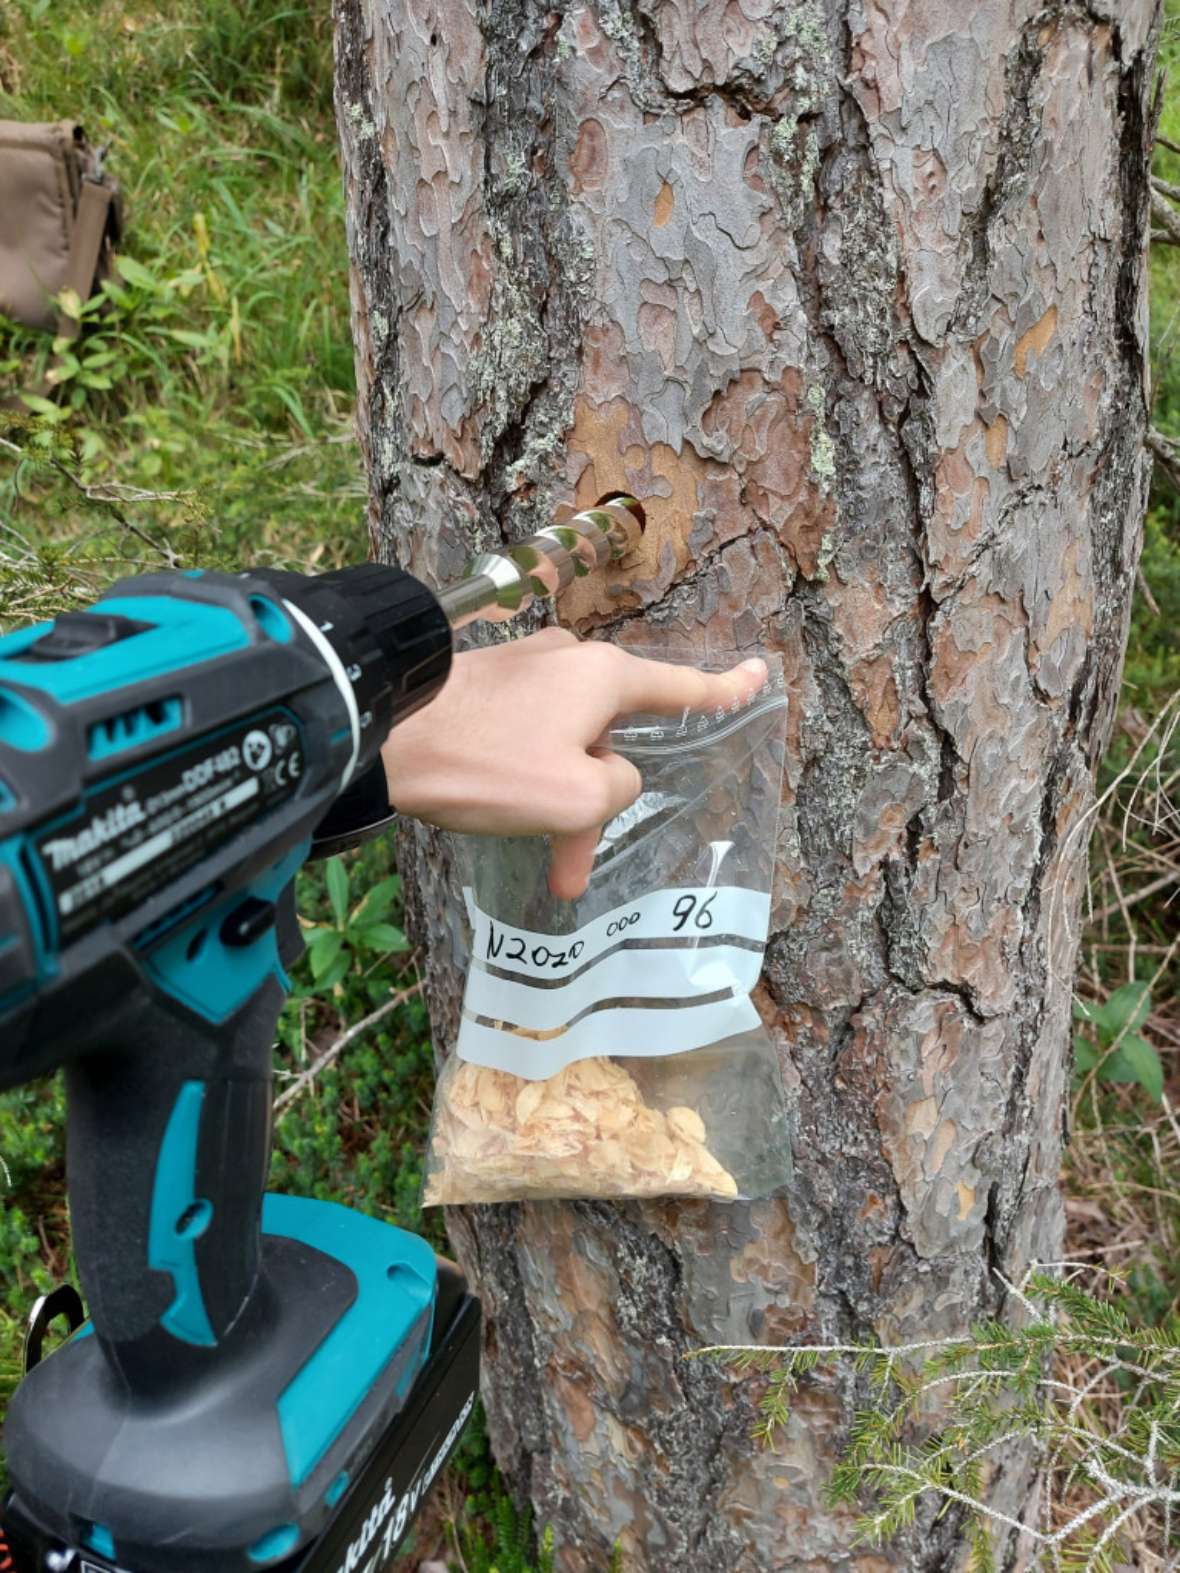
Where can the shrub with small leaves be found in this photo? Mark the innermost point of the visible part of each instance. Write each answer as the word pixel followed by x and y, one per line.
pixel 129 321
pixel 32 1152
pixel 504 1543
pixel 492 1536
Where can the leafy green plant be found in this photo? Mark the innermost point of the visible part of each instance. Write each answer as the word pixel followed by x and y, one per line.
pixel 127 324
pixel 1117 1052
pixel 333 949
pixel 357 1133
pixel 10 1366
pixel 1046 1378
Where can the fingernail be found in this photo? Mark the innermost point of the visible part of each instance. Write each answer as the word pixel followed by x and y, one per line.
pixel 755 665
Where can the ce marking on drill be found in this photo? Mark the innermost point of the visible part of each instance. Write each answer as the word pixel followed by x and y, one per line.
pixel 288 769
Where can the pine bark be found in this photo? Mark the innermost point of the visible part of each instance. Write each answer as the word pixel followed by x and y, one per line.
pixel 851 294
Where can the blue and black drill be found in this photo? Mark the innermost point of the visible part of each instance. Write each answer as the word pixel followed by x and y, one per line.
pixel 264 1381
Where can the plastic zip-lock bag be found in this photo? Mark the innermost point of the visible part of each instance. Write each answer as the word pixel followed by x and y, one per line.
pixel 609 1046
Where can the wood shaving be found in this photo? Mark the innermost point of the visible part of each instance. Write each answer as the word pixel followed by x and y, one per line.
pixel 584 1132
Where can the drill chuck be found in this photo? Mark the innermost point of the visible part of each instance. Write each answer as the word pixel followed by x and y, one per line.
pixel 387 637
pixel 501 584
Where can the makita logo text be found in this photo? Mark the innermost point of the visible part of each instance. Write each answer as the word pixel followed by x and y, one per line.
pixel 102 828
pixel 367 1552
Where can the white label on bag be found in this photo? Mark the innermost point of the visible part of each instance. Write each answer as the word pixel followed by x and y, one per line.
pixel 693 953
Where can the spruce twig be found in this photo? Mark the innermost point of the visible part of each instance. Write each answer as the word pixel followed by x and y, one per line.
pixel 1007 1384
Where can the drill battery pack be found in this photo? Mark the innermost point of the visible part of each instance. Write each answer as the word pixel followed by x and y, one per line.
pixel 362 1517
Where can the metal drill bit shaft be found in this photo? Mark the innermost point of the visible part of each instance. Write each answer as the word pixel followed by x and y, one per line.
pixel 499 585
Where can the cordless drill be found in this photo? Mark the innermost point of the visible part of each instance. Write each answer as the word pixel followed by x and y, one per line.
pixel 264 1381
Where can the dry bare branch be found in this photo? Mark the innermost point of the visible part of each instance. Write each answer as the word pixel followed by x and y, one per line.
pixel 1169 222
pixel 336 1048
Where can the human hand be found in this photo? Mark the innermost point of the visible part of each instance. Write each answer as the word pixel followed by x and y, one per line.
pixel 513 745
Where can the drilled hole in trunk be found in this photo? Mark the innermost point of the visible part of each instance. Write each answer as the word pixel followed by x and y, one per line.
pixel 634 506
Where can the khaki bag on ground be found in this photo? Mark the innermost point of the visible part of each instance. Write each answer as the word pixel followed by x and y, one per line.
pixel 60 220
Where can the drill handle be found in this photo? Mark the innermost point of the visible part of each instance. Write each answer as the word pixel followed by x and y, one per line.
pixel 168 1141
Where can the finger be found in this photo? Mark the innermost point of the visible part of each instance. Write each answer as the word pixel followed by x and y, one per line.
pixel 571 859
pixel 618 780
pixel 665 689
pixel 616 783
pixel 544 638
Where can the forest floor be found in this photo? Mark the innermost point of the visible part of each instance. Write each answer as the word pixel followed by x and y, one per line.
pixel 209 420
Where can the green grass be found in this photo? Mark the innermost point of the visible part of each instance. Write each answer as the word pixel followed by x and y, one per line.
pixel 225 379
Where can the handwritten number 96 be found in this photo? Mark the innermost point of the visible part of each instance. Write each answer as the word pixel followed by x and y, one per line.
pixel 686 907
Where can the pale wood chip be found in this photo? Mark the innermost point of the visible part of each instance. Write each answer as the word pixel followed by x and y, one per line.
pixel 586 1131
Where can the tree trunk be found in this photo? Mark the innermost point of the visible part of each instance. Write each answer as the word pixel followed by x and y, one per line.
pixel 851 294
